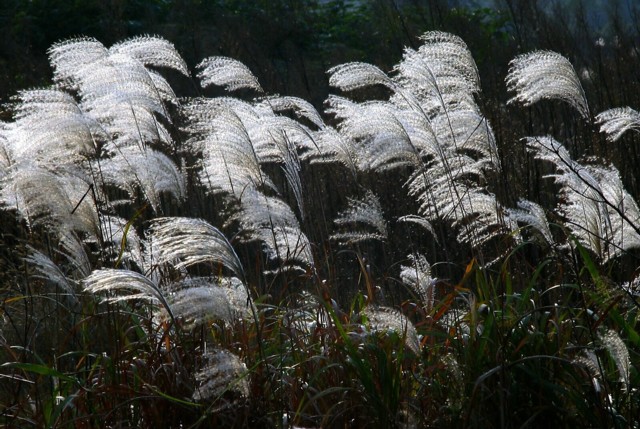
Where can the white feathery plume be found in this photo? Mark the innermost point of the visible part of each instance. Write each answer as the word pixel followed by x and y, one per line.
pixel 546 75
pixel 599 212
pixel 228 73
pixel 382 142
pixel 152 51
pixel 444 183
pixel 119 92
pixel 332 146
pixel 421 221
pixel 384 319
pixel 200 304
pixel 350 76
pixel 474 211
pixel 365 211
pixel 115 87
pixel 433 124
pixel 291 169
pixel 77 264
pixel 69 57
pixel 620 354
pixel 163 90
pixel 420 131
pixel 5 157
pixel 289 245
pixel 273 137
pixel 48 270
pixel 122 247
pixel 230 162
pixel 441 74
pixel 57 200
pixel 300 107
pixel 200 300
pixel 623 231
pixel 222 373
pixel 183 242
pixel 51 128
pixel 304 319
pixel 418 278
pixel 124 285
pixel 74 61
pixel 74 251
pixel 235 137
pixel 532 214
pixel 149 170
pixel 466 131
pixel 617 121
pixel 452 56
pixel 477 216
pixel 271 221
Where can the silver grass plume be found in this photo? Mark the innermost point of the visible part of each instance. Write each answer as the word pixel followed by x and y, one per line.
pixel 122 95
pixel 235 138
pixel 76 267
pixel 422 222
pixel 441 74
pixel 291 169
pixel 380 139
pixel 300 107
pixel 600 213
pixel 382 320
pixel 56 200
pixel 121 240
pixel 228 73
pixel 230 161
pixel 73 249
pixel 615 122
pixel 418 278
pixel 269 134
pixel 222 373
pixel 546 75
pixel 331 147
pixel 116 88
pixel 623 210
pixel 443 194
pixel 433 124
pixel 465 131
pixel 589 360
pixel 533 215
pixel 452 54
pixel 149 170
pixel 271 221
pixel 198 300
pixel 183 242
pixel 632 287
pixel 152 51
pixel 350 76
pixel 69 56
pixel 47 270
pixel 477 215
pixel 276 139
pixel 125 285
pixel 51 128
pixel 619 353
pixel 365 211
pixel 5 157
pixel 304 319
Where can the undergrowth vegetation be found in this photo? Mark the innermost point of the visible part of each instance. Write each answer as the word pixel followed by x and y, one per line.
pixel 240 259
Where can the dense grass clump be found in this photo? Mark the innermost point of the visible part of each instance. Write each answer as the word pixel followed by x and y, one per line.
pixel 244 260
